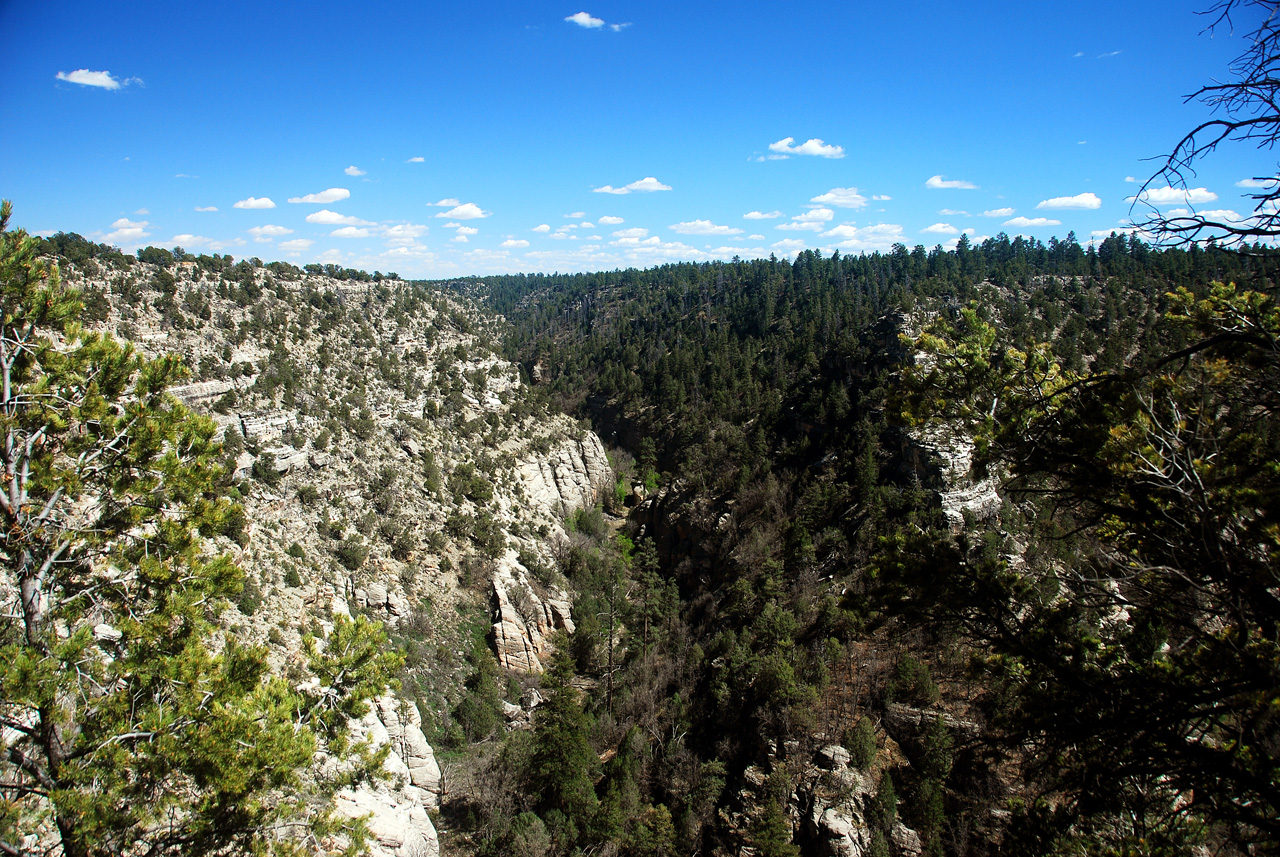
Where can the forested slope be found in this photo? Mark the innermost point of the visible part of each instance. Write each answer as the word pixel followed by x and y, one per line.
pixel 1058 673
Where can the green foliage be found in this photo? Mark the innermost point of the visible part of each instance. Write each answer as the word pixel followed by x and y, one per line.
pixel 861 743
pixel 1160 481
pixel 912 683
pixel 131 734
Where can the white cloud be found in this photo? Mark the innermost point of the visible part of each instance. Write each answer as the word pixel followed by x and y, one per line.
pixel 813 146
pixel 756 237
pixel 574 215
pixel 1130 179
pixel 255 202
pixel 842 197
pixel 881 236
pixel 1081 201
pixel 445 203
pixel 350 232
pixel 142 211
pixel 354 171
pixel 460 238
pixel 99 79
pixel 542 227
pixel 295 245
pixel 788 244
pixel 815 215
pixel 403 234
pixel 940 183
pixel 800 226
pixel 206 208
pixel 1219 214
pixel 333 194
pixel 1174 195
pixel 941 229
pixel 618 28
pixel 632 235
pixel 467 230
pixel 582 19
pixel 186 239
pixel 1258 182
pixel 951 212
pixel 703 227
pixel 644 185
pixel 126 231
pixel 333 218
pixel 263 234
pixel 998 212
pixel 416 159
pixel 515 242
pixel 610 220
pixel 762 215
pixel 465 211
pixel 881 197
pixel 1023 222
pixel 184 176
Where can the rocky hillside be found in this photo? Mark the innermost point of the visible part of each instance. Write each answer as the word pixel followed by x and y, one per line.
pixel 389 464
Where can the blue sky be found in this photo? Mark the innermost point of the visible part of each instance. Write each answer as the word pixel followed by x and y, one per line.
pixel 445 139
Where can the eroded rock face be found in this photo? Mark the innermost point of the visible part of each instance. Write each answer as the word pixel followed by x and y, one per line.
pixel 961 494
pixel 574 474
pixel 525 616
pixel 397 809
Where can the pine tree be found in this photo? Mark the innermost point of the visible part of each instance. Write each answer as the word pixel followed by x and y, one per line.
pixel 127 727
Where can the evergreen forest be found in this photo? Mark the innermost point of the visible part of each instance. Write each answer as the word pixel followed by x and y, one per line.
pixel 794 569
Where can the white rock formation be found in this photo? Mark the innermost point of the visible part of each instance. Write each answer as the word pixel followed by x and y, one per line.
pixel 573 475
pixel 396 809
pixel 523 619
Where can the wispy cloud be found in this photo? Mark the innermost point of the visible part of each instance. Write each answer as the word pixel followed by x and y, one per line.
pixel 951 212
pixel 515 242
pixel 1109 54
pixel 98 79
pixel 941 229
pixel 762 215
pixel 263 234
pixel 1079 202
pixel 333 218
pixel 295 246
pixel 881 197
pixel 465 211
pixel 126 231
pixel 1174 196
pixel 703 227
pixel 542 227
pixel 416 159
pixel 610 220
pixel 206 208
pixel 943 183
pixel 1024 222
pixel 350 232
pixel 998 212
pixel 333 194
pixel 354 171
pixel 813 146
pixel 255 202
pixel 841 197
pixel 445 203
pixel 881 236
pixel 647 184
pixel 1268 183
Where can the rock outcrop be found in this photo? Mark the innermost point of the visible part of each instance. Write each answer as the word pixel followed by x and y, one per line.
pixel 524 618
pixel 574 474
pixel 396 809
